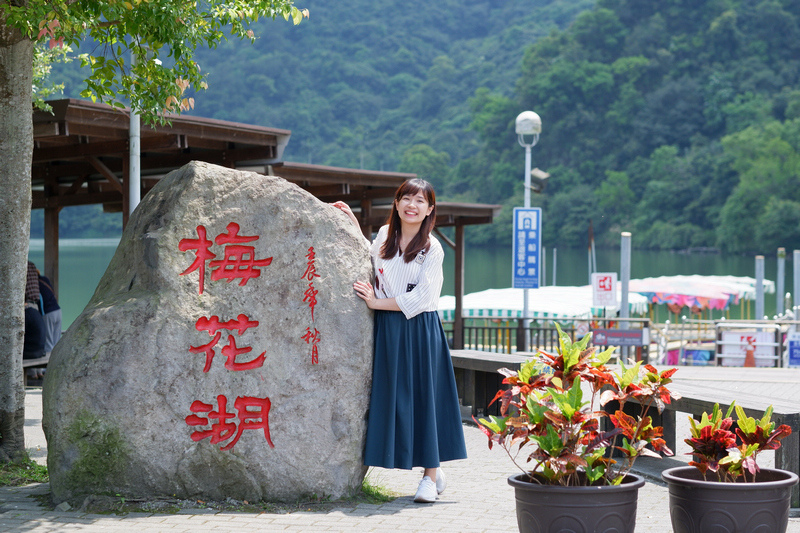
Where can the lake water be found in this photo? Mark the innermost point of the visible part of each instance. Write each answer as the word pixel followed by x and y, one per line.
pixel 84 261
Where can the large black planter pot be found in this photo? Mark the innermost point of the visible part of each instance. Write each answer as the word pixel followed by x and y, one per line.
pixel 698 506
pixel 556 509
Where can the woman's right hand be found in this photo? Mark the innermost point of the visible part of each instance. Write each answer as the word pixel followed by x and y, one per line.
pixel 347 211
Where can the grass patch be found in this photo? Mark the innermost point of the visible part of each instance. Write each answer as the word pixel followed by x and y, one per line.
pixel 24 473
pixel 375 492
pixel 371 492
pixel 29 471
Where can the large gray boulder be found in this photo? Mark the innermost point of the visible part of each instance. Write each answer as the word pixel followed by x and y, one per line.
pixel 140 401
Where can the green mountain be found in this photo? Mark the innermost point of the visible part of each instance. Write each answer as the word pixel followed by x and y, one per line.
pixel 676 120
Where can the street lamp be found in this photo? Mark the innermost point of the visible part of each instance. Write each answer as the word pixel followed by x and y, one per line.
pixel 529 125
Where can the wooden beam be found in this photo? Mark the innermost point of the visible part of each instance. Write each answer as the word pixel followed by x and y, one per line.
pixel 107 148
pixel 49 129
pixel 445 220
pixel 444 237
pixel 105 172
pixel 355 177
pixel 337 190
pixel 88 198
pixel 76 185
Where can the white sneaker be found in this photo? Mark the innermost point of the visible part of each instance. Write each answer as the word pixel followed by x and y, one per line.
pixel 426 492
pixel 441 481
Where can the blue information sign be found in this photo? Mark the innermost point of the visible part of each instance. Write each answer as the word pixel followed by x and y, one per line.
pixel 527 247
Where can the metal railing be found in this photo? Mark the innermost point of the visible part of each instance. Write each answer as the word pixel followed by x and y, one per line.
pixel 508 336
pixel 701 342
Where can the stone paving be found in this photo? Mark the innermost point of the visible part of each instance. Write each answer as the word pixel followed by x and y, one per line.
pixel 478 499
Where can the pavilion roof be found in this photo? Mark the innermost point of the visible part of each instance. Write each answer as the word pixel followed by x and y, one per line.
pixel 81 156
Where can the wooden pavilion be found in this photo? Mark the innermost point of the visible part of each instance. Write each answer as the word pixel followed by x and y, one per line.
pixel 81 156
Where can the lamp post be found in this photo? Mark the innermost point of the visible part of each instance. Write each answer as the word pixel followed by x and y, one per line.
pixel 528 125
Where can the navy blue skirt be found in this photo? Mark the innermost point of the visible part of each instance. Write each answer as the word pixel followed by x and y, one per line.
pixel 414 416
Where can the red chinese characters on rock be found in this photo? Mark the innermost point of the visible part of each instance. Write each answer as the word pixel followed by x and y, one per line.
pixel 313 339
pixel 310 297
pixel 252 413
pixel 238 262
pixel 230 351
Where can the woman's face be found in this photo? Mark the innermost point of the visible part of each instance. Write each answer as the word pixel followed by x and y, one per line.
pixel 413 208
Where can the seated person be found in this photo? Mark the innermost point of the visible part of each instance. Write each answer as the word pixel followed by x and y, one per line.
pixel 52 314
pixel 34 333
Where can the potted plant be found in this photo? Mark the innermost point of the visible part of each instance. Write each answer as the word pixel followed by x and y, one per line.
pixel 561 442
pixel 723 489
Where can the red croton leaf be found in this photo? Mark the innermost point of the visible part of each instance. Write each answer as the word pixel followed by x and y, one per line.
pixel 773 441
pixel 668 373
pixel 702 466
pixel 712 443
pixel 625 422
pixel 660 445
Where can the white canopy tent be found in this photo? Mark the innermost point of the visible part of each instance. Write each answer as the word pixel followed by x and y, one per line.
pixel 544 302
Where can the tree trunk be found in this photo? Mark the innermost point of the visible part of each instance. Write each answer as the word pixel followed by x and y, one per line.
pixel 16 150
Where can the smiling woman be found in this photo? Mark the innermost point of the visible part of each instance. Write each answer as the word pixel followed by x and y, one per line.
pixel 414 416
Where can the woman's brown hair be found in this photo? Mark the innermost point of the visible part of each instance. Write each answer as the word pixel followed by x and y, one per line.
pixel 421 240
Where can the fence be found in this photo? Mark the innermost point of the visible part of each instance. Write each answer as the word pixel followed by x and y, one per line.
pixel 508 336
pixel 726 342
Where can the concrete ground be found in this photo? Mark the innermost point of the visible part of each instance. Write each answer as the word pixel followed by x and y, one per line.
pixel 478 499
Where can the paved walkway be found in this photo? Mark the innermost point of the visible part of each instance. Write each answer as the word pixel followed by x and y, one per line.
pixel 478 499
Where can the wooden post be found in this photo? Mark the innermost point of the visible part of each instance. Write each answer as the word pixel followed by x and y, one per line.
pixel 366 213
pixel 51 232
pixel 458 319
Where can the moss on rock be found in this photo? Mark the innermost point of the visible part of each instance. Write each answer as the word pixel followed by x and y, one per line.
pixel 101 454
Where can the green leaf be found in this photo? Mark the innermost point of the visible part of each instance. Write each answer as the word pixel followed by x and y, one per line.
pixel 628 375
pixel 570 401
pixel 551 443
pixel 497 425
pixel 745 423
pixel 603 357
pixel 297 16
pixel 527 370
pixel 534 409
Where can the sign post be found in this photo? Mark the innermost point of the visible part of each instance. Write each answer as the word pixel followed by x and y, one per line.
pixel 526 258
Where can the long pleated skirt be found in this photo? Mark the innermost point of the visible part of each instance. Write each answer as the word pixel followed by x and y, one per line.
pixel 414 416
